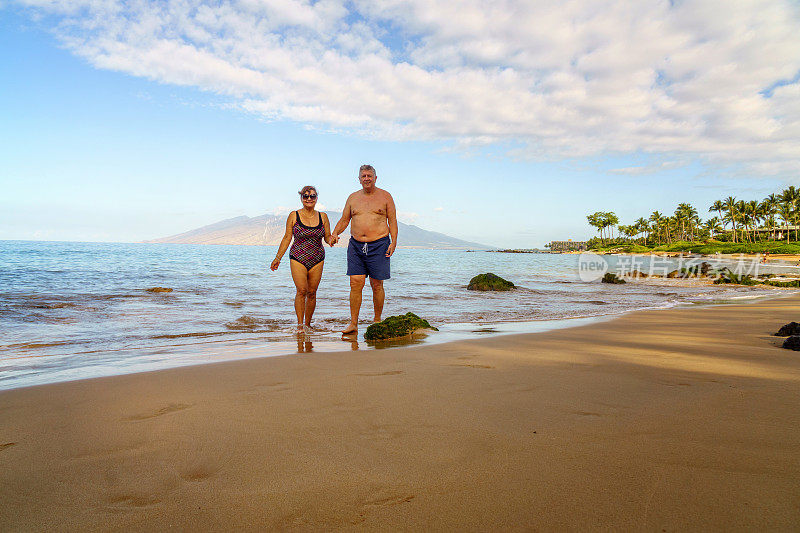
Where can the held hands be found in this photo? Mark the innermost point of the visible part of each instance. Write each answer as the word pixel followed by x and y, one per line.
pixel 274 265
pixel 390 250
pixel 334 239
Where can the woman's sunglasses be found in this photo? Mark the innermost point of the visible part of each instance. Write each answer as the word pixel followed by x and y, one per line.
pixel 309 197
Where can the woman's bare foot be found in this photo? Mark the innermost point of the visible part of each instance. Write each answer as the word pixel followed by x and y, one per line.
pixel 376 320
pixel 350 329
pixel 299 328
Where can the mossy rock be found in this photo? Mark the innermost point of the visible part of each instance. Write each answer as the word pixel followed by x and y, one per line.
pixel 489 282
pixel 610 277
pixel 159 289
pixel 396 326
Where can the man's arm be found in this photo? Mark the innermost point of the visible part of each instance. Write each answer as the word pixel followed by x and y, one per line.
pixel 343 222
pixel 391 217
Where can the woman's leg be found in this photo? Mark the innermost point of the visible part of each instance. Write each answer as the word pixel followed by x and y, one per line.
pixel 300 278
pixel 312 282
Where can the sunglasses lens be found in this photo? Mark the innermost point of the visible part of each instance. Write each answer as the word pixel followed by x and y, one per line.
pixel 309 197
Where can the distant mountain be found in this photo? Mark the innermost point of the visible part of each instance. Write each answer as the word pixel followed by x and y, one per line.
pixel 269 229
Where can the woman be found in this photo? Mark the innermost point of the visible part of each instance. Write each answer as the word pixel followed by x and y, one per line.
pixel 307 255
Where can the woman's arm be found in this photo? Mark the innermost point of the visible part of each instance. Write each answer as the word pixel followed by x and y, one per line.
pixel 327 225
pixel 287 239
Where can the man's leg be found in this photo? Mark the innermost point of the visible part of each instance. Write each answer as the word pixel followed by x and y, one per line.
pixel 378 296
pixel 356 284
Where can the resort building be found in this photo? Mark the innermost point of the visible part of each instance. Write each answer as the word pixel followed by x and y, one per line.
pixel 567 246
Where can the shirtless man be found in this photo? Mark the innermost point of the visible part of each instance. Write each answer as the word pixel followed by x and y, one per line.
pixel 374 219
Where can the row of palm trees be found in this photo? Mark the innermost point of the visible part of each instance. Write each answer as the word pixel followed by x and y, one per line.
pixel 750 221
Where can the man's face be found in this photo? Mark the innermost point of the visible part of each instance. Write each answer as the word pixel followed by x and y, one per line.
pixel 367 178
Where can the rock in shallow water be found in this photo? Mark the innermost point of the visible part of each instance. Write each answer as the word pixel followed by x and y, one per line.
pixel 159 289
pixel 489 282
pixel 792 328
pixel 396 326
pixel 610 277
pixel 792 343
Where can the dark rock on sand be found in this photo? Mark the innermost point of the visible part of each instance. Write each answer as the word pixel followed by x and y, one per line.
pixel 159 289
pixel 792 343
pixel 674 274
pixel 396 326
pixel 792 328
pixel 610 277
pixel 489 282
pixel 637 274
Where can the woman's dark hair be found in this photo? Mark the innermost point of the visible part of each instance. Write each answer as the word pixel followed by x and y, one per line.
pixel 306 189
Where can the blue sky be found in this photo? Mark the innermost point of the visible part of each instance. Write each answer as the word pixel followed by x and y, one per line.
pixel 124 124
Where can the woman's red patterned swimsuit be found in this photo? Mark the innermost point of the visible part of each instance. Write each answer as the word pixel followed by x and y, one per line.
pixel 307 247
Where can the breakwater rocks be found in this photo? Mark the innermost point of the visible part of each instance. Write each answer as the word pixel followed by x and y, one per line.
pixel 396 326
pixel 489 282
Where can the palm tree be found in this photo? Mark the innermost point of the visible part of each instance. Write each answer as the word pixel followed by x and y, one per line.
pixel 595 221
pixel 790 196
pixel 750 217
pixel 686 216
pixel 730 205
pixel 656 218
pixel 769 207
pixel 717 206
pixel 785 212
pixel 609 220
pixel 741 206
pixel 641 227
pixel 712 225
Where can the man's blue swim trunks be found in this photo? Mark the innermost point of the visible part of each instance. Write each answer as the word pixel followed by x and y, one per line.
pixel 368 258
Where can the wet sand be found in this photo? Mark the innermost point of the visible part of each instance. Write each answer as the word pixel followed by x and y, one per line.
pixel 659 420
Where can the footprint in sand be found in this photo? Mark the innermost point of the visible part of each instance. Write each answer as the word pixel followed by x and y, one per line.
pixel 131 500
pixel 471 366
pixel 588 413
pixel 387 373
pixel 7 445
pixel 171 408
pixel 198 472
pixel 378 503
pixel 272 386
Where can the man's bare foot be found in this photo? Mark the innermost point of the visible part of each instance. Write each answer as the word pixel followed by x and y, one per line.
pixel 376 320
pixel 350 329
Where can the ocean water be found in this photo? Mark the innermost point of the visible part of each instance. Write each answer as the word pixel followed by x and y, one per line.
pixel 75 310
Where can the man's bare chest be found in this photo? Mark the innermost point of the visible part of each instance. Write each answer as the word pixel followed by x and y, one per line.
pixel 369 207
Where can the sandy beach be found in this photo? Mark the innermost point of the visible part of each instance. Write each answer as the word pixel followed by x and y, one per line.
pixel 683 419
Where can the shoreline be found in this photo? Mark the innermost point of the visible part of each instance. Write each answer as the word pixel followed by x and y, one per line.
pixel 330 342
pixel 685 418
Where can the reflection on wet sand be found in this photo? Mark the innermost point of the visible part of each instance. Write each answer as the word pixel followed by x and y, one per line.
pixel 304 344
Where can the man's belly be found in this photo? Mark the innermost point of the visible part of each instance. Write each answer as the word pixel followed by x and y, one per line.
pixel 367 229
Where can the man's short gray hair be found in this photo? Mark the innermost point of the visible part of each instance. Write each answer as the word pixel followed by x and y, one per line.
pixel 362 168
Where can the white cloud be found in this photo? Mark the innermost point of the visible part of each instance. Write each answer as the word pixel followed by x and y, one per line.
pixel 282 210
pixel 650 168
pixel 407 217
pixel 697 78
pixel 438 208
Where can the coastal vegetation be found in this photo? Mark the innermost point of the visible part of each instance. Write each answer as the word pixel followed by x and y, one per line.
pixel 738 226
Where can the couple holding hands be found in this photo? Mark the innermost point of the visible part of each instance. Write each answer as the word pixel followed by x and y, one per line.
pixel 371 215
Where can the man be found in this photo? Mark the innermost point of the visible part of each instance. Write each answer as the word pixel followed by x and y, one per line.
pixel 374 220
